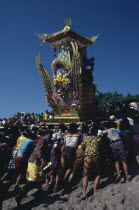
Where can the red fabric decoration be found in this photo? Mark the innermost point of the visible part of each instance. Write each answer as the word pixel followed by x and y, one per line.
pixel 65 111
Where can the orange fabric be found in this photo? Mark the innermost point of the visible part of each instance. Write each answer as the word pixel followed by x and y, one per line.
pixel 118 124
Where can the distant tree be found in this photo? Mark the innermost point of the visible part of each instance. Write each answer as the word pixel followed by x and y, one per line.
pixel 109 99
pixel 136 98
pixel 132 98
pixel 129 97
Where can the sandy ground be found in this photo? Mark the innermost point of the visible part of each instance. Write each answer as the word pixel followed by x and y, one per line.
pixel 110 196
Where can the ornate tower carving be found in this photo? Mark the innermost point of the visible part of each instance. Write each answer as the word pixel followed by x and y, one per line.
pixel 70 91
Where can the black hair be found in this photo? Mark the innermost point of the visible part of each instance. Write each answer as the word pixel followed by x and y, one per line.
pixel 73 128
pixel 29 134
pixel 42 132
pixel 62 127
pixel 111 124
pixel 94 131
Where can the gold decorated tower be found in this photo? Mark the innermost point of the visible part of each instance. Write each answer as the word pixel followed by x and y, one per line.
pixel 70 90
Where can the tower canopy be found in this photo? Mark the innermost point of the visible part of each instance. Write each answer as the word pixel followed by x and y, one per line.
pixel 65 35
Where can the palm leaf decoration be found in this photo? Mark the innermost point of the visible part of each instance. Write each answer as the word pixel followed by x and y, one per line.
pixel 48 84
pixel 76 65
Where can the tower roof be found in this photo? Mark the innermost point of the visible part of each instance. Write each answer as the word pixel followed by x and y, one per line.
pixel 67 33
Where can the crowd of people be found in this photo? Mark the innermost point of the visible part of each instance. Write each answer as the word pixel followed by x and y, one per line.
pixel 26 119
pixel 34 152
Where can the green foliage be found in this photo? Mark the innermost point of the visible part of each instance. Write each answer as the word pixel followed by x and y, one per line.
pixel 132 98
pixel 109 99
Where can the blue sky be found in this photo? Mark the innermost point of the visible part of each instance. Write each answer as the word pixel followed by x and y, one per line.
pixel 116 51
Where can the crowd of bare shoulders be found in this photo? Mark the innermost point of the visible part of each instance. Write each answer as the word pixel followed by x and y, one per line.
pixel 34 151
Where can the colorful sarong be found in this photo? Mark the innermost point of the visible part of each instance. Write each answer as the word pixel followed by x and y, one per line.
pixel 119 150
pixel 33 172
pixel 135 143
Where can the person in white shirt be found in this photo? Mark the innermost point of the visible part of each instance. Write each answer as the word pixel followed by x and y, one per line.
pixel 118 149
pixel 71 141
